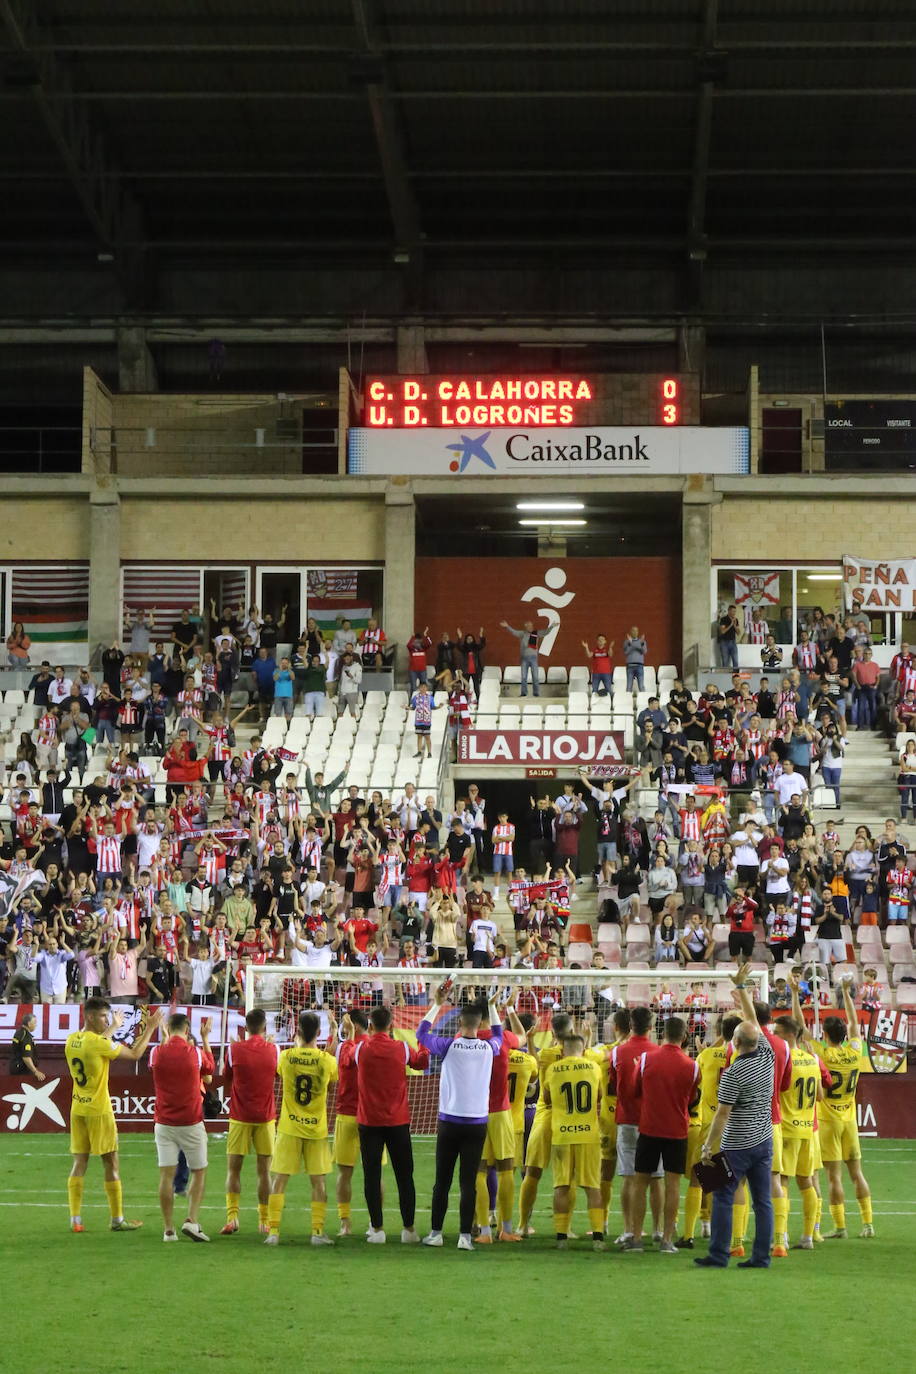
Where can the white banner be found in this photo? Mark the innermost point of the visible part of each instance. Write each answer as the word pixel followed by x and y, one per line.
pixel 869 585
pixel 541 452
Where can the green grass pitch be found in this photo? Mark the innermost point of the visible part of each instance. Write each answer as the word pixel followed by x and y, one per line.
pixel 108 1303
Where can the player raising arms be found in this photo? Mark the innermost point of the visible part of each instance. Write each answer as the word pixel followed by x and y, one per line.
pixel 607 1114
pixel 839 1132
pixel 499 1146
pixel 251 1070
pixel 572 1089
pixel 537 1155
pixel 92 1123
pixel 710 1062
pixel 522 1080
pixel 798 1104
pixel 306 1072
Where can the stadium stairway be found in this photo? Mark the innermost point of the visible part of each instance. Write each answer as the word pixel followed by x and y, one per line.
pixel 868 787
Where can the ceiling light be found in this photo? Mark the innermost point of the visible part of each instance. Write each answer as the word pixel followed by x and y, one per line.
pixel 550 505
pixel 825 577
pixel 551 520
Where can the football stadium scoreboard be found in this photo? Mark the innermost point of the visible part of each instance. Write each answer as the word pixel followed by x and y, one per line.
pixel 510 424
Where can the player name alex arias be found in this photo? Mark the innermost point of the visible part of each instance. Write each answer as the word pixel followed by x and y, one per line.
pixel 570 1127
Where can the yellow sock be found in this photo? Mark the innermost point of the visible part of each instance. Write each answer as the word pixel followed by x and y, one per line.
pixel 596 1220
pixel 706 1209
pixel 263 1213
pixel 692 1210
pixel 232 1206
pixel 809 1211
pixel 817 1214
pixel 865 1209
pixel 275 1205
pixel 573 1192
pixel 75 1195
pixel 740 1212
pixel 607 1188
pixel 780 1218
pixel 482 1206
pixel 838 1215
pixel 343 1211
pixel 115 1199
pixel 505 1198
pixel 319 1212
pixel 560 1223
pixel 526 1198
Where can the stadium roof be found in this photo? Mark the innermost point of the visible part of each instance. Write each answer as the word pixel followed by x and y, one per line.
pixel 461 131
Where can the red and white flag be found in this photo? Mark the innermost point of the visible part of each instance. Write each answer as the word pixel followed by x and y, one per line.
pixel 757 589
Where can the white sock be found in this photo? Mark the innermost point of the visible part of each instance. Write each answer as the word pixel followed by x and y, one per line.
pixel 496 894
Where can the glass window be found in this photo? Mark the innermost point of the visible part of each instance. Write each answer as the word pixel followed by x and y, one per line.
pixel 763 596
pixel 818 592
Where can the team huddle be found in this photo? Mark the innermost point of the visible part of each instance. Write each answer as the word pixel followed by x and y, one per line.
pixel 514 1101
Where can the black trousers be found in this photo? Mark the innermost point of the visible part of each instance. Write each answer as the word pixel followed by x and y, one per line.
pixel 457 1143
pixel 372 1143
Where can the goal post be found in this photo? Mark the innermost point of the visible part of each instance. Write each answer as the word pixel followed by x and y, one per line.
pixel 589 996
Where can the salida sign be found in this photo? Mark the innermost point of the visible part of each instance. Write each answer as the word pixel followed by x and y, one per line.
pixel 527 748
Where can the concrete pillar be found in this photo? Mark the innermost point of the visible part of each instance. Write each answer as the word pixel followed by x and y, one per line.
pixel 696 560
pixel 411 343
pixel 104 568
pixel 400 551
pixel 136 365
pixel 691 348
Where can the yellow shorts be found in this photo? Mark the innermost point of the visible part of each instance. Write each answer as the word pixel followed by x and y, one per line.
pixel 577 1164
pixel 817 1161
pixel 500 1141
pixel 695 1137
pixel 839 1138
pixel 93 1135
pixel 776 1166
pixel 797 1156
pixel 519 1149
pixel 537 1155
pixel 294 1154
pixel 346 1141
pixel 245 1137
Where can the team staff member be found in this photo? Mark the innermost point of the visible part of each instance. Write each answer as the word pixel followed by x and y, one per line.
pixel 464 1100
pixel 22 1049
pixel 251 1070
pixel 92 1124
pixel 383 1120
pixel 353 1029
pixel 572 1087
pixel 622 1081
pixel 306 1072
pixel 839 1132
pixel 743 1127
pixel 179 1067
pixel 666 1085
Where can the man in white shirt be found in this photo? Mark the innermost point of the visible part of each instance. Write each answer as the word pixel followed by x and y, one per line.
pixel 52 971
pixel 59 689
pixel 483 933
pixel 408 809
pixel 570 801
pixel 789 784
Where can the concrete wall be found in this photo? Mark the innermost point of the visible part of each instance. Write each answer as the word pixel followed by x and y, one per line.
pixel 291 530
pixel 823 525
pixel 45 528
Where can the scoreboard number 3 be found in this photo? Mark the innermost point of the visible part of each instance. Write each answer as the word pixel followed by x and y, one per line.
pixel 671 401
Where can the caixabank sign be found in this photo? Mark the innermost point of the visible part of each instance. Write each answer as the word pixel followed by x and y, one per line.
pixel 482 452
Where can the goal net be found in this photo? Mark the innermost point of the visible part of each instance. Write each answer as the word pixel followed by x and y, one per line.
pixel 589 996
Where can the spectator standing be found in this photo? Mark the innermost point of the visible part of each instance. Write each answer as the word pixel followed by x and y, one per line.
pixel 865 674
pixel 418 647
pixel 602 666
pixel 634 652
pixel 178 1066
pixel 18 644
pixel 529 640
pixel 727 638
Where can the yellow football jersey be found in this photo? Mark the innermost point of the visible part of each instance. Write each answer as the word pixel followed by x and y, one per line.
pixel 306 1074
pixel 546 1057
pixel 843 1063
pixel 574 1086
pixel 711 1063
pixel 88 1057
pixel 799 1101
pixel 607 1112
pixel 523 1069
